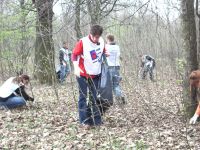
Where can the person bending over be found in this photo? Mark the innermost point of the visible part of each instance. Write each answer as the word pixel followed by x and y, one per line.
pixel 12 92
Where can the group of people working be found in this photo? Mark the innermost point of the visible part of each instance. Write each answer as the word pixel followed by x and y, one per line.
pixel 87 62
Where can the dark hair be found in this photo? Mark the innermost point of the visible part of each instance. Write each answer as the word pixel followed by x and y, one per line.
pixel 64 42
pixel 96 30
pixel 25 77
pixel 18 79
pixel 110 37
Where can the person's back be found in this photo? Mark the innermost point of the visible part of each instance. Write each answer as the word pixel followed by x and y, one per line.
pixel 113 61
pixel 114 54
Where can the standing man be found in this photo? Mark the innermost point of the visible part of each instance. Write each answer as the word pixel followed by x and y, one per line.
pixel 147 64
pixel 86 58
pixel 64 62
pixel 113 61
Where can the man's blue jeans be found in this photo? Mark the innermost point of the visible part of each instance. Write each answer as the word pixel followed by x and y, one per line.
pixel 115 77
pixel 89 112
pixel 64 71
pixel 13 102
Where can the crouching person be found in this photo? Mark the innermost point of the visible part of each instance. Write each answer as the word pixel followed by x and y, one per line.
pixel 195 84
pixel 113 61
pixel 12 92
pixel 86 58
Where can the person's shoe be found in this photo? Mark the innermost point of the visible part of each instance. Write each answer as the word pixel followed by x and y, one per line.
pixel 86 126
pixel 123 100
pixel 153 80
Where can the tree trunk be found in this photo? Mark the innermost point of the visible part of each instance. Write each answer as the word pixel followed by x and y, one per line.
pixel 1 41
pixel 77 21
pixel 23 48
pixel 44 47
pixel 198 31
pixel 190 47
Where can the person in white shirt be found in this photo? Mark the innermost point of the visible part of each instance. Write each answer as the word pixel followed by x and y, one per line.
pixel 113 61
pixel 64 58
pixel 12 92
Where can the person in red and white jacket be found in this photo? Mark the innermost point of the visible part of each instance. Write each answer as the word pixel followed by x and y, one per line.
pixel 86 57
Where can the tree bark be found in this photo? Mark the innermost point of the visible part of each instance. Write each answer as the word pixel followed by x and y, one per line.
pixel 77 20
pixel 44 46
pixel 190 47
pixel 23 48
pixel 98 9
pixel 198 31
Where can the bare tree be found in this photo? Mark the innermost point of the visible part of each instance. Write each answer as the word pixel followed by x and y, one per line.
pixel 98 9
pixel 190 47
pixel 198 31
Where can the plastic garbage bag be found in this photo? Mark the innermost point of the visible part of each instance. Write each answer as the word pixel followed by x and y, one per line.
pixel 105 95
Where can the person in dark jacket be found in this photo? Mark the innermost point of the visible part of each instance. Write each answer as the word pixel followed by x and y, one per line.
pixel 147 64
pixel 12 92
pixel 64 57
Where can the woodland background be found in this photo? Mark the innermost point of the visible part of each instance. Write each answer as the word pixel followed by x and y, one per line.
pixel 156 113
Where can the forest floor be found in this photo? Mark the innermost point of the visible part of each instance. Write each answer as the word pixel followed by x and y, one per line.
pixel 153 118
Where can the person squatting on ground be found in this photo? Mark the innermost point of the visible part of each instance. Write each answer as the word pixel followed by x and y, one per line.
pixel 195 83
pixel 64 57
pixel 12 92
pixel 147 64
pixel 113 61
pixel 86 57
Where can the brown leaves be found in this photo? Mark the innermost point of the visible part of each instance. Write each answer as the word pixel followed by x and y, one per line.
pixel 148 121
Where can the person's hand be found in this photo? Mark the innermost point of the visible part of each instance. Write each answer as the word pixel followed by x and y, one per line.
pixel 21 84
pixel 107 53
pixel 31 99
pixel 193 120
pixel 77 69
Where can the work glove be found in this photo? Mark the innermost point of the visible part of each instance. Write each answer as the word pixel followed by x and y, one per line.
pixel 194 119
pixel 77 69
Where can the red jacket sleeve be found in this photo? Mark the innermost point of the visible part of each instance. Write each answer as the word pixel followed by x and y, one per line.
pixel 77 51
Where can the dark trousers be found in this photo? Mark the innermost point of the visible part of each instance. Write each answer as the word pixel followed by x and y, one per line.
pixel 89 112
pixel 147 70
